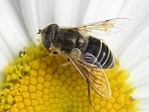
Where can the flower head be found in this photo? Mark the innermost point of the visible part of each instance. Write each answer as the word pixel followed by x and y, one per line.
pixel 32 85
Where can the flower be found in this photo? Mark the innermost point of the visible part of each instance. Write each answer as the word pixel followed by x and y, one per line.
pixel 31 85
pixel 19 23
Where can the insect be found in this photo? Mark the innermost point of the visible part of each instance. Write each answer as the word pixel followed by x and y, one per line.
pixel 89 55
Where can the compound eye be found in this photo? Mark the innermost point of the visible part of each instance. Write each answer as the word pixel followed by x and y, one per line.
pixel 52 30
pixel 49 35
pixel 46 41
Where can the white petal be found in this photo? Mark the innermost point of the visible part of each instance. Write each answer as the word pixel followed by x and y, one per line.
pixel 137 51
pixel 12 30
pixel 30 17
pixel 5 51
pixel 79 10
pixel 144 104
pixel 62 12
pixel 45 12
pixel 16 4
pixel 141 93
pixel 69 12
pixel 7 35
pixel 140 75
pixel 144 110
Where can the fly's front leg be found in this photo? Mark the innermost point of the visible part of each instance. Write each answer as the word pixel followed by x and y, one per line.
pixel 66 63
pixel 53 50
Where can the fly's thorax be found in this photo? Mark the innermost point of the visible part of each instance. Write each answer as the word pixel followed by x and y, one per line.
pixel 66 39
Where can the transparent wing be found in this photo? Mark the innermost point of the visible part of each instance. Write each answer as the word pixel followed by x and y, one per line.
pixel 95 77
pixel 106 26
pixel 99 81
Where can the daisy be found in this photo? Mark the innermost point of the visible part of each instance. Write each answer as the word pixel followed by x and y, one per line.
pixel 28 80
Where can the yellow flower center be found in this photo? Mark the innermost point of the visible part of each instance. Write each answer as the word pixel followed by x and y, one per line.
pixel 36 82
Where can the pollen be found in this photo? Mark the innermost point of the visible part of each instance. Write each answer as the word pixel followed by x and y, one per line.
pixel 39 82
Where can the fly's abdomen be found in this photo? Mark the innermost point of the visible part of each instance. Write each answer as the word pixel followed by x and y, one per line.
pixel 98 53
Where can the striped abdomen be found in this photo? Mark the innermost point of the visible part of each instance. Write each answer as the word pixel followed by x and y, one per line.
pixel 98 53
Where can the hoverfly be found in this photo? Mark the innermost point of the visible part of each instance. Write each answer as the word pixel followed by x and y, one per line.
pixel 89 55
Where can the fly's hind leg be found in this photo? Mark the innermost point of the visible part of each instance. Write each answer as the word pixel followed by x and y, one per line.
pixel 89 94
